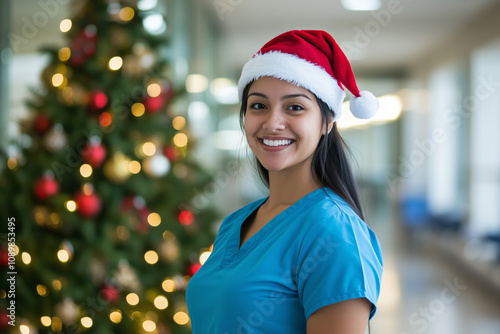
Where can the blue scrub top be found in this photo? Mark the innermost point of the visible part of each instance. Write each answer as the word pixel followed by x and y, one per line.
pixel 314 253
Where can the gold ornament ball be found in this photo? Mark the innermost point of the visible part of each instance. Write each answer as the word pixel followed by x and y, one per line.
pixel 117 169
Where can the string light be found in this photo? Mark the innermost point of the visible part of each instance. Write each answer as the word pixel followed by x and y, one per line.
pixel 115 316
pixel 161 302
pixel 70 205
pixel 64 53
pixel 154 90
pixel 149 325
pixel 204 257
pixel 115 63
pixel 168 285
pixel 41 289
pixel 180 140
pixel 151 257
pixel 154 219
pixel 181 318
pixel 86 170
pixel 57 79
pixel 148 148
pixel 134 166
pixel 138 109
pixel 24 329
pixel 26 257
pixel 65 25
pixel 46 321
pixel 179 123
pixel 63 255
pixel 86 322
pixel 56 284
pixel 126 14
pixel 132 299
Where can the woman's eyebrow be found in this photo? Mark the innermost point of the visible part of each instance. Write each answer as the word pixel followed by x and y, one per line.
pixel 295 95
pixel 283 98
pixel 258 94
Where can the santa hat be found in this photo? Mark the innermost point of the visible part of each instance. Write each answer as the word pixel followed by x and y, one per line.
pixel 313 60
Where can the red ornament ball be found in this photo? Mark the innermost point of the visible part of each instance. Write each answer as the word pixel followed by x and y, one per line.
pixel 153 104
pixel 186 217
pixel 98 100
pixel 4 258
pixel 109 293
pixel 170 153
pixel 94 154
pixel 46 187
pixel 4 320
pixel 89 204
pixel 41 124
pixel 83 46
pixel 193 268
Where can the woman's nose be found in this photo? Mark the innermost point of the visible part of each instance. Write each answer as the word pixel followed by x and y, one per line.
pixel 274 121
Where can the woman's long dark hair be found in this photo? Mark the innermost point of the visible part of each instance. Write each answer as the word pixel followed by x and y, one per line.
pixel 330 165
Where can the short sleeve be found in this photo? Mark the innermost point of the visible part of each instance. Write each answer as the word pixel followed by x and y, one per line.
pixel 339 259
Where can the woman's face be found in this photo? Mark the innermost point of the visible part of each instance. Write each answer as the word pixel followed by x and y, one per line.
pixel 282 124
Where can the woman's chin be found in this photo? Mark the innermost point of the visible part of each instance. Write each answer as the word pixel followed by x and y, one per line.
pixel 273 166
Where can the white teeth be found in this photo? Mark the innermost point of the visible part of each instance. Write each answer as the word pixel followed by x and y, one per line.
pixel 276 142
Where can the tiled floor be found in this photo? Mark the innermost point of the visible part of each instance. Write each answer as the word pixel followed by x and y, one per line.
pixel 423 293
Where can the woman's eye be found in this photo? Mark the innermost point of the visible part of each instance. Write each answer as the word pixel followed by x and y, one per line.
pixel 295 107
pixel 257 106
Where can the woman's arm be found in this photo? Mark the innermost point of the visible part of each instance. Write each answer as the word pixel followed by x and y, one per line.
pixel 345 317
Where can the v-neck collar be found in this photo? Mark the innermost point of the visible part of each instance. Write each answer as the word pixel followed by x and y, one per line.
pixel 233 250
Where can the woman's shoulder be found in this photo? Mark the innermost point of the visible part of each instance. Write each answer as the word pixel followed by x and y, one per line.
pixel 331 213
pixel 331 205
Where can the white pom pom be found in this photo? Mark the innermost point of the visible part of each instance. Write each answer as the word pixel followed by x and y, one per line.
pixel 365 106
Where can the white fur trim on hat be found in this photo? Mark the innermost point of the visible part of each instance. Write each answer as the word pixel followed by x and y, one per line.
pixel 296 71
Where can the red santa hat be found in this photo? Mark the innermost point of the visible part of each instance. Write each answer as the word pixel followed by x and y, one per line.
pixel 313 60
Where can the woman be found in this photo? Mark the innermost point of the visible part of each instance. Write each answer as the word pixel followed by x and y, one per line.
pixel 300 260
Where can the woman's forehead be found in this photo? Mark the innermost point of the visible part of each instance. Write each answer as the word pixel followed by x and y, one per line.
pixel 274 86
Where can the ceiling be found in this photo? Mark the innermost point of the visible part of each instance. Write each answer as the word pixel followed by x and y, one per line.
pixel 412 30
pixel 398 39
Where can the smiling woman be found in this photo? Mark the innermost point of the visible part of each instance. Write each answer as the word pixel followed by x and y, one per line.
pixel 301 260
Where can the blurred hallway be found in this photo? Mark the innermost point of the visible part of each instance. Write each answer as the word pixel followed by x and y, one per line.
pixel 423 291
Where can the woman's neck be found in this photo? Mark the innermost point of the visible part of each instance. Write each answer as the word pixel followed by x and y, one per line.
pixel 288 186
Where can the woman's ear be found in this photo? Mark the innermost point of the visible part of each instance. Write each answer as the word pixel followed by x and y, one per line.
pixel 329 125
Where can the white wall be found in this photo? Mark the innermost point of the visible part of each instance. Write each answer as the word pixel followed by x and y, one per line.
pixel 485 140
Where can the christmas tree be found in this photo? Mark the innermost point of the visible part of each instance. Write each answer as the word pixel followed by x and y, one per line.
pixel 101 227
